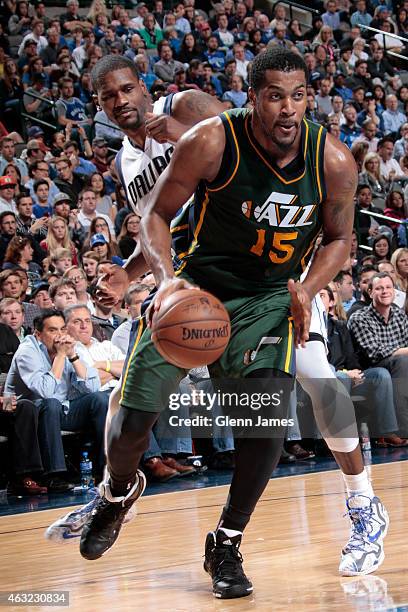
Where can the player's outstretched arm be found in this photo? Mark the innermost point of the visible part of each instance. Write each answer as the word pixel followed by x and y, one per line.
pixel 188 109
pixel 341 177
pixel 197 157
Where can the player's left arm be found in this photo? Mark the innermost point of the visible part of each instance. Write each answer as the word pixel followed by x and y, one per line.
pixel 188 108
pixel 341 177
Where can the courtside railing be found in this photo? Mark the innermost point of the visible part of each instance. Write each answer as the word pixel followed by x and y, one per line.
pixel 389 35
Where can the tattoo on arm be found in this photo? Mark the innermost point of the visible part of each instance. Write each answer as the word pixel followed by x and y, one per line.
pixel 198 104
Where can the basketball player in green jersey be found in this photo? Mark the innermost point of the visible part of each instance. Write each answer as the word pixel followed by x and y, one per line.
pixel 266 183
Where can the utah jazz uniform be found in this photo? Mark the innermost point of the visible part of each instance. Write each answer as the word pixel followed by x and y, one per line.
pixel 246 233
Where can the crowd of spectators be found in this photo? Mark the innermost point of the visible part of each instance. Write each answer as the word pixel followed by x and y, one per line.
pixel 64 218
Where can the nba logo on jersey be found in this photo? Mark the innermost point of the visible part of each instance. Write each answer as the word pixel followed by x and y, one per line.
pixel 279 211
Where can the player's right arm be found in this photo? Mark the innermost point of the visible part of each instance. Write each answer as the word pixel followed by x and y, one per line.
pixel 197 157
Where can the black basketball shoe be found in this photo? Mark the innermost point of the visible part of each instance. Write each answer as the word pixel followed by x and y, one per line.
pixel 101 530
pixel 223 562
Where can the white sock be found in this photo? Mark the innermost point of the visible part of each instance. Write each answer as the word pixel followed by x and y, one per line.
pixel 359 484
pixel 229 532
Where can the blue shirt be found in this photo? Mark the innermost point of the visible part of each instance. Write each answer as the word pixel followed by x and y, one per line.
pixel 392 121
pixel 30 375
pixel 85 167
pixel 41 211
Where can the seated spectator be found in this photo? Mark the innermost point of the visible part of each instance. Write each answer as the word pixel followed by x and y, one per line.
pixel 87 200
pixel 109 131
pixel 7 193
pixel 236 95
pixel 399 260
pixel 134 298
pixel 150 33
pixel 380 336
pixel 392 117
pixel 395 207
pixel 90 263
pixel 70 110
pixel 241 62
pixel 36 34
pixel 13 284
pixel 58 237
pixel 104 202
pixel 8 229
pixel 189 50
pixel 106 251
pixel 378 66
pixel 37 99
pixel 37 170
pixel 389 167
pixel 371 176
pixel 40 296
pixel 359 151
pixel 41 190
pixel 280 38
pixel 48 370
pixel 388 267
pixel 226 37
pixel 61 260
pixel 78 277
pixel 367 225
pixel 71 19
pixel 365 275
pixel 368 135
pixel 100 154
pixel 105 320
pixel 345 288
pixel 79 164
pixel 374 384
pixel 166 66
pixel 7 155
pixel 127 239
pixel 63 294
pixel 350 130
pixel 12 314
pixel 68 182
pixel 180 82
pixel 213 55
pixel 382 248
pixel 19 255
pixel 28 225
pixel 360 77
pixel 104 356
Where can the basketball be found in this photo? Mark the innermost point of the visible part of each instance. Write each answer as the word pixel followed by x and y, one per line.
pixel 191 329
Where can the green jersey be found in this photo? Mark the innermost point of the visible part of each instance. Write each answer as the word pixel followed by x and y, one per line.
pixel 255 225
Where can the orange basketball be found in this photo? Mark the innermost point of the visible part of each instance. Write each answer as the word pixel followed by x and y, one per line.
pixel 191 329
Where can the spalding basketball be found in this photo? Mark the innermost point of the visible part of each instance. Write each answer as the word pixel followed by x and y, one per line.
pixel 191 329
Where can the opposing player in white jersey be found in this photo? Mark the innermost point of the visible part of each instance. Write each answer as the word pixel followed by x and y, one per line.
pixel 335 418
pixel 151 132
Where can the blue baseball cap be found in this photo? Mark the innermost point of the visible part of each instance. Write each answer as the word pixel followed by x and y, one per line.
pixel 98 239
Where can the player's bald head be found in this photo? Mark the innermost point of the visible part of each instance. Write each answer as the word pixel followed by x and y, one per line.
pixel 108 64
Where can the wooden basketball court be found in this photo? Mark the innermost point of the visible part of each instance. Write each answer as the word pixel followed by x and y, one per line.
pixel 291 551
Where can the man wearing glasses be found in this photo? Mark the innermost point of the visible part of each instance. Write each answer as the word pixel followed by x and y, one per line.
pixel 39 169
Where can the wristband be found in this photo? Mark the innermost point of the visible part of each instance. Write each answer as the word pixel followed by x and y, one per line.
pixel 74 358
pixel 108 366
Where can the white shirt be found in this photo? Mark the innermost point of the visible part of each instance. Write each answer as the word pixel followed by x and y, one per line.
pixel 41 41
pixel 86 222
pixel 121 335
pixel 242 68
pixel 101 351
pixel 7 206
pixel 139 169
pixel 388 166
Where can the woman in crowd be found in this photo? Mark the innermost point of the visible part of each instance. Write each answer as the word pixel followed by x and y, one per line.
pixel 78 277
pixel 19 23
pixel 90 263
pixel 104 204
pixel 379 97
pixel 12 170
pixel 129 233
pixel 399 260
pixel 325 39
pixel 382 248
pixel 294 31
pixel 104 250
pixel 371 176
pixel 11 94
pixel 189 49
pixel 35 66
pixel 395 208
pixel 58 237
pixel 359 151
pixel 98 7
pixel 19 254
pixel 255 44
pixel 99 226
pixel 358 52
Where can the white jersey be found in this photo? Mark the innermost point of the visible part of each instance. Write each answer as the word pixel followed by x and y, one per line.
pixel 139 169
